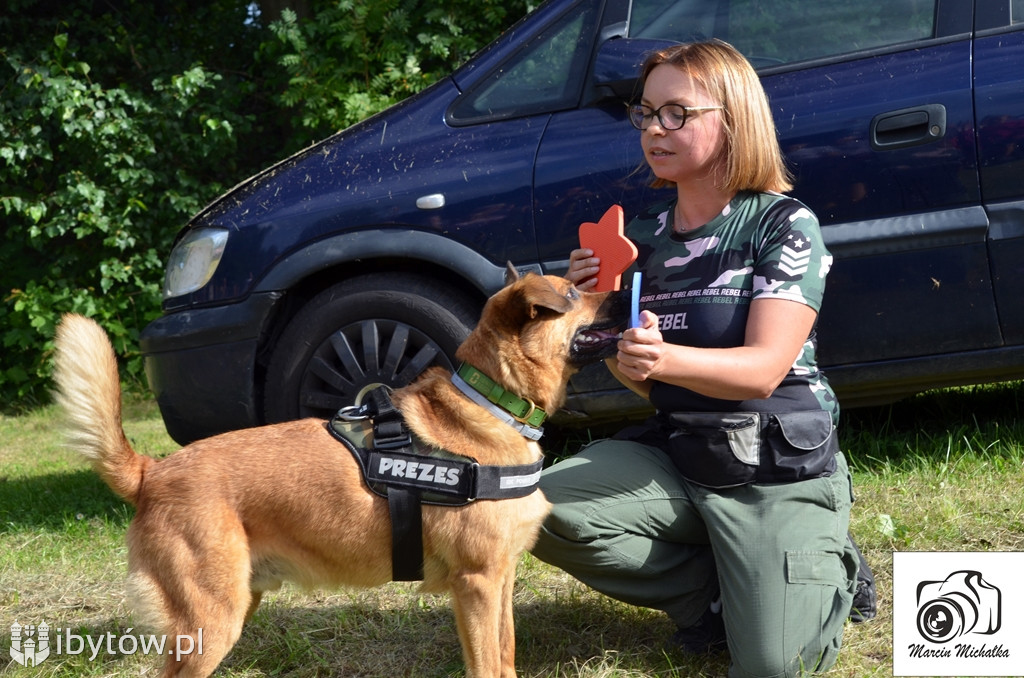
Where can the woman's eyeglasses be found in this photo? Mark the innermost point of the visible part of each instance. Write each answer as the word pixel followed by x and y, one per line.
pixel 670 116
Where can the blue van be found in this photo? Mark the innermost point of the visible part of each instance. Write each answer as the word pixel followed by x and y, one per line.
pixel 367 257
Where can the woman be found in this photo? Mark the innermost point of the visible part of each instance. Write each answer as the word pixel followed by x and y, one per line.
pixel 732 504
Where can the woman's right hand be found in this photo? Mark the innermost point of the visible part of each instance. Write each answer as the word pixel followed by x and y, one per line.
pixel 583 268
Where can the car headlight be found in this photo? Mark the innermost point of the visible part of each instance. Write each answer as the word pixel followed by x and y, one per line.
pixel 193 261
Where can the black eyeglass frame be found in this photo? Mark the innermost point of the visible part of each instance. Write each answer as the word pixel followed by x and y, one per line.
pixel 641 120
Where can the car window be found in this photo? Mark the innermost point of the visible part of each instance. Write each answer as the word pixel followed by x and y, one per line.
pixel 540 77
pixel 772 32
pixel 1017 12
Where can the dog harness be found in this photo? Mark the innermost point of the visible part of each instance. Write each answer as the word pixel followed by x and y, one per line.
pixel 400 467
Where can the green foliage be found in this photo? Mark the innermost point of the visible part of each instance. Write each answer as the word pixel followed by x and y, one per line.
pixel 354 58
pixel 106 149
pixel 91 199
pixel 120 119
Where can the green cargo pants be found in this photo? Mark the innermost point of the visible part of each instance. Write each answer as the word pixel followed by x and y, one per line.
pixel 628 525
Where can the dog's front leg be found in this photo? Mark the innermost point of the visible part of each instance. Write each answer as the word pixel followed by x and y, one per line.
pixel 507 631
pixel 477 598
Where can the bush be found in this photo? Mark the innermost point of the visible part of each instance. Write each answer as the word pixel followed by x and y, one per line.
pixel 119 120
pixel 354 58
pixel 94 190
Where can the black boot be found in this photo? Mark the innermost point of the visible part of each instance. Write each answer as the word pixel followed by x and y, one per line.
pixel 865 599
pixel 705 637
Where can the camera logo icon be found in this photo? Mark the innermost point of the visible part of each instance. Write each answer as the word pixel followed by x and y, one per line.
pixel 962 603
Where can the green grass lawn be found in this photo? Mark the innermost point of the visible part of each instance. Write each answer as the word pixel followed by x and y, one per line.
pixel 942 471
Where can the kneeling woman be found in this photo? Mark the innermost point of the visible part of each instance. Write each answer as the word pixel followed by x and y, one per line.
pixel 730 506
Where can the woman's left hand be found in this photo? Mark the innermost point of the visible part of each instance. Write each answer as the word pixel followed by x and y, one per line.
pixel 641 349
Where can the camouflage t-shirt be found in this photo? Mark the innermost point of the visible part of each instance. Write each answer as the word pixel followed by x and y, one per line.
pixel 700 285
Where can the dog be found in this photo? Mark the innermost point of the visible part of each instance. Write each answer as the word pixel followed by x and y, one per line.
pixel 227 518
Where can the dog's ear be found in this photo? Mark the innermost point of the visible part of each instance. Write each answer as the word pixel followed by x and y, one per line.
pixel 540 293
pixel 511 274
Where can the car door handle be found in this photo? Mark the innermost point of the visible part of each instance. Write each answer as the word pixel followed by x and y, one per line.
pixel 434 201
pixel 908 127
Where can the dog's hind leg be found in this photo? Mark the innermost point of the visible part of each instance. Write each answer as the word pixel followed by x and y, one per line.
pixel 196 653
pixel 206 625
pixel 196 586
pixel 198 627
pixel 254 603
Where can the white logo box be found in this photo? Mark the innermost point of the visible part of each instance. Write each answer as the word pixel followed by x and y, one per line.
pixel 958 613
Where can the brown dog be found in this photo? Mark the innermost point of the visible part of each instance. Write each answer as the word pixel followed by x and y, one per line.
pixel 229 517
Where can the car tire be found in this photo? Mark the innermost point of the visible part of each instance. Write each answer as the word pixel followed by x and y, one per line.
pixel 359 333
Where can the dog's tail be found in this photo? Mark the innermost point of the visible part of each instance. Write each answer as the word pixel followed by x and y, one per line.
pixel 89 392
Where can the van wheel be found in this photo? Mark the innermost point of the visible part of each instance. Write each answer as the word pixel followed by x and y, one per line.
pixel 360 333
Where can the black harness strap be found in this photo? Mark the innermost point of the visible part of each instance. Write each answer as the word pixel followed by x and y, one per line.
pixel 404 503
pixel 389 432
pixel 406 534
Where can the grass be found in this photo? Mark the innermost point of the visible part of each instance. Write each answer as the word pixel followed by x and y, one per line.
pixel 941 471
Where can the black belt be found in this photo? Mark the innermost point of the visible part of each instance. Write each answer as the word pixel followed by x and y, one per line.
pixel 729 449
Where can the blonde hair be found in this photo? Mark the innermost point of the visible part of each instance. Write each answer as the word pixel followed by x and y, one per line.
pixel 751 156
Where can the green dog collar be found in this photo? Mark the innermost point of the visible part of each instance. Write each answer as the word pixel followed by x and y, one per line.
pixel 522 410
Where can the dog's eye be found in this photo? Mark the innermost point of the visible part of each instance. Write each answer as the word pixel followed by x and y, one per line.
pixel 573 293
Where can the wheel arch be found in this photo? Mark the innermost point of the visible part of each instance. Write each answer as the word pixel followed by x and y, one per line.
pixel 420 250
pixel 303 274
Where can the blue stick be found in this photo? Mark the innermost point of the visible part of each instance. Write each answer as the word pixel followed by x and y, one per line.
pixel 634 319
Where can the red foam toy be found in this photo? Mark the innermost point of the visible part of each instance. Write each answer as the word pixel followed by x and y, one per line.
pixel 615 250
